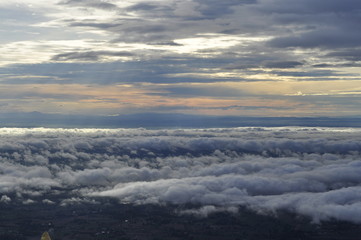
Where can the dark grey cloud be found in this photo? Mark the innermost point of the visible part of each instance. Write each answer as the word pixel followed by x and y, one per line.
pixel 309 6
pixel 324 24
pixel 350 54
pixel 90 55
pixel 149 8
pixel 323 38
pixel 136 30
pixel 154 28
pixel 304 24
pixel 313 73
pixel 148 32
pixel 335 65
pixel 323 65
pixel 215 9
pixel 160 22
pixel 170 43
pixel 240 66
pixel 92 23
pixel 268 62
pixel 283 64
pixel 142 7
pixel 245 107
pixel 166 70
pixel 31 95
pixel 196 118
pixel 153 71
pixel 210 91
pixel 91 3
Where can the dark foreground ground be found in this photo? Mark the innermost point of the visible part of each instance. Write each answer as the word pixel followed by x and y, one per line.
pixel 111 220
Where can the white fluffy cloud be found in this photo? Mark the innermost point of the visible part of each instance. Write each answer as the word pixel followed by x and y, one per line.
pixel 5 199
pixel 308 171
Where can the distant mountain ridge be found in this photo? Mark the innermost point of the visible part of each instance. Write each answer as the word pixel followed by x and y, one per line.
pixel 167 120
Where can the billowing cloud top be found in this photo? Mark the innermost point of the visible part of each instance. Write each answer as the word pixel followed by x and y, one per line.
pixel 230 57
pixel 311 172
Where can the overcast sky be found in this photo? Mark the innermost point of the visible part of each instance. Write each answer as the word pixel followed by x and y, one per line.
pixel 229 57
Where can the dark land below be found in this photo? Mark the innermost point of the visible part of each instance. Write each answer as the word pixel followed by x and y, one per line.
pixel 113 221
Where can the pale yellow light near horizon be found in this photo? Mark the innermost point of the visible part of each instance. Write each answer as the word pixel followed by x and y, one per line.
pixel 116 98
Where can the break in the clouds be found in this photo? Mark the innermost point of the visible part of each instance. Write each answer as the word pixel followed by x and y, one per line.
pixel 175 55
pixel 311 172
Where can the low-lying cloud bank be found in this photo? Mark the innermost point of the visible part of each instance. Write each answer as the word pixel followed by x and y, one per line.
pixel 313 172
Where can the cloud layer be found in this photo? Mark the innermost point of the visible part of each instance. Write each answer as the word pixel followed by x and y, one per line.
pixel 313 172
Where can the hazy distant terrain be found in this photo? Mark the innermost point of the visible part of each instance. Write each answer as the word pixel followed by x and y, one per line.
pixel 167 120
pixel 78 176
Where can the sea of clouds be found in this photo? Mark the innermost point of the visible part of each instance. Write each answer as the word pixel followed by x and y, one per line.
pixel 313 172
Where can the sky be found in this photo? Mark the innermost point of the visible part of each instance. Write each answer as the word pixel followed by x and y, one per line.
pixel 269 58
